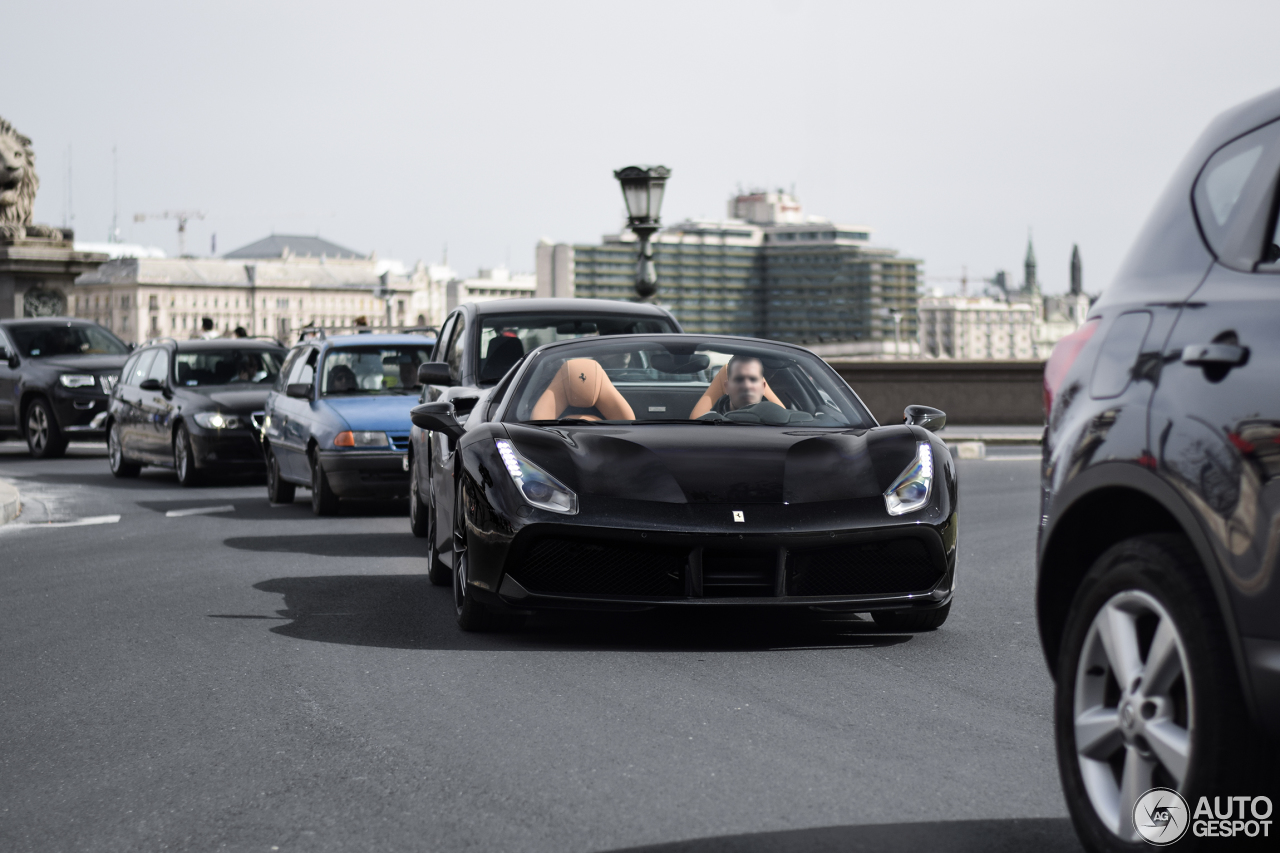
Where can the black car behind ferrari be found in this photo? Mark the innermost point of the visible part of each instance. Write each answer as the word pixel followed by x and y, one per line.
pixel 1159 596
pixel 56 374
pixel 192 406
pixel 682 470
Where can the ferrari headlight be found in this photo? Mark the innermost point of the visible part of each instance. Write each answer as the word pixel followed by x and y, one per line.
pixel 217 420
pixel 78 380
pixel 536 486
pixel 913 487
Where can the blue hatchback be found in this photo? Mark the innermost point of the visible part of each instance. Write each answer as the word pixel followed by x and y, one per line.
pixel 337 420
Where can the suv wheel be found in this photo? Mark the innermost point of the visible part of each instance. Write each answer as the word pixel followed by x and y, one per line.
pixel 120 464
pixel 184 462
pixel 44 439
pixel 323 500
pixel 1147 695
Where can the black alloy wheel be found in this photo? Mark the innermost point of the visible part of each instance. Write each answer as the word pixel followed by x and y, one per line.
pixel 472 615
pixel 184 462
pixel 323 500
pixel 419 523
pixel 278 491
pixel 44 438
pixel 120 465
pixel 1147 694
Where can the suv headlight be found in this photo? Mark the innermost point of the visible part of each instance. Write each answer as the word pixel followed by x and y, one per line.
pixel 536 486
pixel 78 380
pixel 913 487
pixel 217 420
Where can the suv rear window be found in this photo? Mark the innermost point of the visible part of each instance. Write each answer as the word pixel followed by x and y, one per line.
pixel 41 341
pixel 504 340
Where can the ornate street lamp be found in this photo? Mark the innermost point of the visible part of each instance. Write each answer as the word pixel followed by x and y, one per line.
pixel 642 188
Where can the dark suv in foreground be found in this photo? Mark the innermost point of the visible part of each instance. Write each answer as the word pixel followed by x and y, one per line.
pixel 1158 584
pixel 56 374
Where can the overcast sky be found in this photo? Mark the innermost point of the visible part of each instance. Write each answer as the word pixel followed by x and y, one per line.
pixel 948 128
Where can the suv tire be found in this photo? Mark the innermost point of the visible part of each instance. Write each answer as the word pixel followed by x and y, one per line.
pixel 45 439
pixel 1145 614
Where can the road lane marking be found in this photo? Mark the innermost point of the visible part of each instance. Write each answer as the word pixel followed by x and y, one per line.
pixel 75 522
pixel 199 510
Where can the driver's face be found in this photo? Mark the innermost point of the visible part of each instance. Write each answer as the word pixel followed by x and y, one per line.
pixel 746 384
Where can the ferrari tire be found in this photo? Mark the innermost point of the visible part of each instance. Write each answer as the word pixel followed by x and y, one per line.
pixel 45 439
pixel 323 500
pixel 1145 614
pixel 912 620
pixel 184 461
pixel 121 465
pixel 278 491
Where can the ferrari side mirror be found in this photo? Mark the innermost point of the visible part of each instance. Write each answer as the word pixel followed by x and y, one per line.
pixel 925 416
pixel 437 417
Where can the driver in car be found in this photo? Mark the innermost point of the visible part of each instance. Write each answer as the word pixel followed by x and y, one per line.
pixel 744 382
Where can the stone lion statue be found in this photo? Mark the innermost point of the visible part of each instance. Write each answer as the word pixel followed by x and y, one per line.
pixel 18 185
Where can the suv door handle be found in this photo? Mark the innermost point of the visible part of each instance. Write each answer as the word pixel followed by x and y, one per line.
pixel 1215 355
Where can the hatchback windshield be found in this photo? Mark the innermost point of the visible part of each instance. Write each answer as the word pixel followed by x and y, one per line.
pixel 43 341
pixel 373 369
pixel 226 367
pixel 505 340
pixel 685 379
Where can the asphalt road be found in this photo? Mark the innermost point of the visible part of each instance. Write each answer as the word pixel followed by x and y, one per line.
pixel 252 678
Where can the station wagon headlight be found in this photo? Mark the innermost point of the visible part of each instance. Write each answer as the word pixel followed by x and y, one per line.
pixel 360 438
pixel 217 420
pixel 536 486
pixel 913 487
pixel 78 380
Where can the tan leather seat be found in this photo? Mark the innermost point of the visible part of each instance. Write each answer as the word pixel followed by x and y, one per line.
pixel 581 383
pixel 716 390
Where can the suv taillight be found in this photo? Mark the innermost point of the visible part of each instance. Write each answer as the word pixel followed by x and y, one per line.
pixel 1060 361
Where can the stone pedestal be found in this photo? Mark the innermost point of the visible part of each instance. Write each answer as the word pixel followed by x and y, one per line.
pixel 37 275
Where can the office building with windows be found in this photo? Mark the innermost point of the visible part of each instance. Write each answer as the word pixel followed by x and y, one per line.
pixel 766 271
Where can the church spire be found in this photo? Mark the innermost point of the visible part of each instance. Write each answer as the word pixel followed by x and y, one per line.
pixel 1031 285
pixel 1077 279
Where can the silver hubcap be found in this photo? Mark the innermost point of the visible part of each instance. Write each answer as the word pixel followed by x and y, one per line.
pixel 38 427
pixel 1133 711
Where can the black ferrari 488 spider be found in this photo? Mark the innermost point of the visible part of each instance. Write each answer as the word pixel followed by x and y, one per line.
pixel 629 472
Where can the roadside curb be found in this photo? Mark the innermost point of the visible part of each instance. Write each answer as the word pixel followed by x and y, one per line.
pixel 10 505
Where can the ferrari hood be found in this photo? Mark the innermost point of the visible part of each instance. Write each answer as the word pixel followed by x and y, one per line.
pixel 696 463
pixel 389 412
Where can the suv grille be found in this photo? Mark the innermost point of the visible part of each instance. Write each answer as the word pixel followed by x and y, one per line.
pixel 588 568
pixel 108 381
pixel 892 566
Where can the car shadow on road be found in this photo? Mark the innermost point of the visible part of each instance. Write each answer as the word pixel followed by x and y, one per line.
pixel 407 612
pixel 333 544
pixel 1013 835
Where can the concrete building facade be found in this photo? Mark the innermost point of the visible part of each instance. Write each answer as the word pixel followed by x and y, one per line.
pixel 270 288
pixel 768 271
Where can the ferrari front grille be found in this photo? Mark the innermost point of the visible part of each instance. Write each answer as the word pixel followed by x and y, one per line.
pixel 891 566
pixel 568 566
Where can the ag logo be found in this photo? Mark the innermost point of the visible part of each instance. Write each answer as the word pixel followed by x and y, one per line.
pixel 1160 816
pixel 738 516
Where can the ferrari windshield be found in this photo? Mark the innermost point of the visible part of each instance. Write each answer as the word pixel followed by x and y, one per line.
pixel 683 379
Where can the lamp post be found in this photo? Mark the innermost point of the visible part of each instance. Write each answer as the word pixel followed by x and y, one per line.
pixel 642 189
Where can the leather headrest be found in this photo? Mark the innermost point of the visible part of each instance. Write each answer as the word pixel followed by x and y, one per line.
pixel 583 378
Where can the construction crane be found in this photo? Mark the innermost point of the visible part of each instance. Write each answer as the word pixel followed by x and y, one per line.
pixel 182 216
